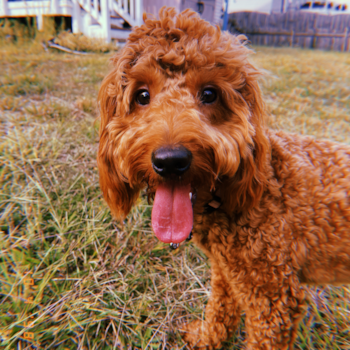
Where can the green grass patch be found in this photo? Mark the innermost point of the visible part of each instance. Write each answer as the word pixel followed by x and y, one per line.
pixel 94 283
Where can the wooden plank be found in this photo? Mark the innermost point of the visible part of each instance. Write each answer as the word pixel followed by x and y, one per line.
pixel 343 47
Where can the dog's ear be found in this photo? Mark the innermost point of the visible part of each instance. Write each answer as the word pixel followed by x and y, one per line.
pixel 250 180
pixel 118 193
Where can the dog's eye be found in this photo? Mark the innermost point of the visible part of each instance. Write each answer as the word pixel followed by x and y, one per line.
pixel 143 97
pixel 208 95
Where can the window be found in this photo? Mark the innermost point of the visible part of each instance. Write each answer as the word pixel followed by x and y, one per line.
pixel 200 7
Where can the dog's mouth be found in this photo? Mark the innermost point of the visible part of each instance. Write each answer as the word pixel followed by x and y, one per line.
pixel 172 214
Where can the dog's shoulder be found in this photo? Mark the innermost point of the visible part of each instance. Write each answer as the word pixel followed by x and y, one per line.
pixel 320 169
pixel 308 151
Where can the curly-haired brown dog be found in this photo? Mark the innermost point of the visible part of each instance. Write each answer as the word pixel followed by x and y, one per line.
pixel 182 113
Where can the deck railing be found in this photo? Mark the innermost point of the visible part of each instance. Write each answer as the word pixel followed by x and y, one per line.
pixel 84 13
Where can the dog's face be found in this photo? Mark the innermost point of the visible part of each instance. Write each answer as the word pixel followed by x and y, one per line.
pixel 180 112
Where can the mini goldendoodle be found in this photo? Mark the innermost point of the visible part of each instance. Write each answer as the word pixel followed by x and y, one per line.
pixel 182 114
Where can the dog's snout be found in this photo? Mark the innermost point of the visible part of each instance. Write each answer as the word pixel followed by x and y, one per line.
pixel 167 161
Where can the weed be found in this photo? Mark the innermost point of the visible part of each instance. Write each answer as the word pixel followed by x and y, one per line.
pixel 81 42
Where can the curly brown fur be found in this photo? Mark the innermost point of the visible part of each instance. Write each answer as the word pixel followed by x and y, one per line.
pixel 285 213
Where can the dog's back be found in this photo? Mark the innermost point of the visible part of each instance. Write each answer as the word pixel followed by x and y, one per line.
pixel 315 186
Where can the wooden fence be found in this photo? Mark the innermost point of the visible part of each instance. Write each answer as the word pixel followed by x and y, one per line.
pixel 294 28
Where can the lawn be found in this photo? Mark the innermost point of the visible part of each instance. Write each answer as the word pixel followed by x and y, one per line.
pixel 73 278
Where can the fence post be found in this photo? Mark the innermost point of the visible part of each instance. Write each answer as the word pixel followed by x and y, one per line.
pixel 224 26
pixel 344 46
pixel 106 20
pixel 314 39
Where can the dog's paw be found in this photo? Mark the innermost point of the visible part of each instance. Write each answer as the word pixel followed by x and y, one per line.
pixel 203 336
pixel 193 334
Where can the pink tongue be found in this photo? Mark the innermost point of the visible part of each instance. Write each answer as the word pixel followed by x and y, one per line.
pixel 172 215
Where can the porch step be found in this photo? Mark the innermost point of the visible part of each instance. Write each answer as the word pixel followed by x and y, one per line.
pixel 121 35
pixel 99 18
pixel 109 19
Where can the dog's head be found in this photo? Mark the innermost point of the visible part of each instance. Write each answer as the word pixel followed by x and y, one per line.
pixel 181 112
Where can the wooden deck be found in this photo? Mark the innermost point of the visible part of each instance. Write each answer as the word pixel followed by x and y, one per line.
pixel 97 18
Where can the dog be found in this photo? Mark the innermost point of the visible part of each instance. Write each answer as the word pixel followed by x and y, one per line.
pixel 182 115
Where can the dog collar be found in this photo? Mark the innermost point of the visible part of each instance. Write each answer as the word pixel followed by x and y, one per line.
pixel 213 205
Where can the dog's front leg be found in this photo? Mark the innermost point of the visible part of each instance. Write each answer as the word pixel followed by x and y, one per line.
pixel 272 317
pixel 221 316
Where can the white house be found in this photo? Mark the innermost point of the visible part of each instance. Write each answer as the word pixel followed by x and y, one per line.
pixel 326 7
pixel 105 18
pixel 280 6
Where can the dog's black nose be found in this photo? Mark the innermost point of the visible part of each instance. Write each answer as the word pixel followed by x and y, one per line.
pixel 169 161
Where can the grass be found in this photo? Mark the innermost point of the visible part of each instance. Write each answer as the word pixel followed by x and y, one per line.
pixel 84 43
pixel 70 276
pixel 22 30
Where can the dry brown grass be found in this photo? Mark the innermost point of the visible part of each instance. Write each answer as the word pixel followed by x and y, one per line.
pixel 26 34
pixel 308 91
pixel 100 284
pixel 80 42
